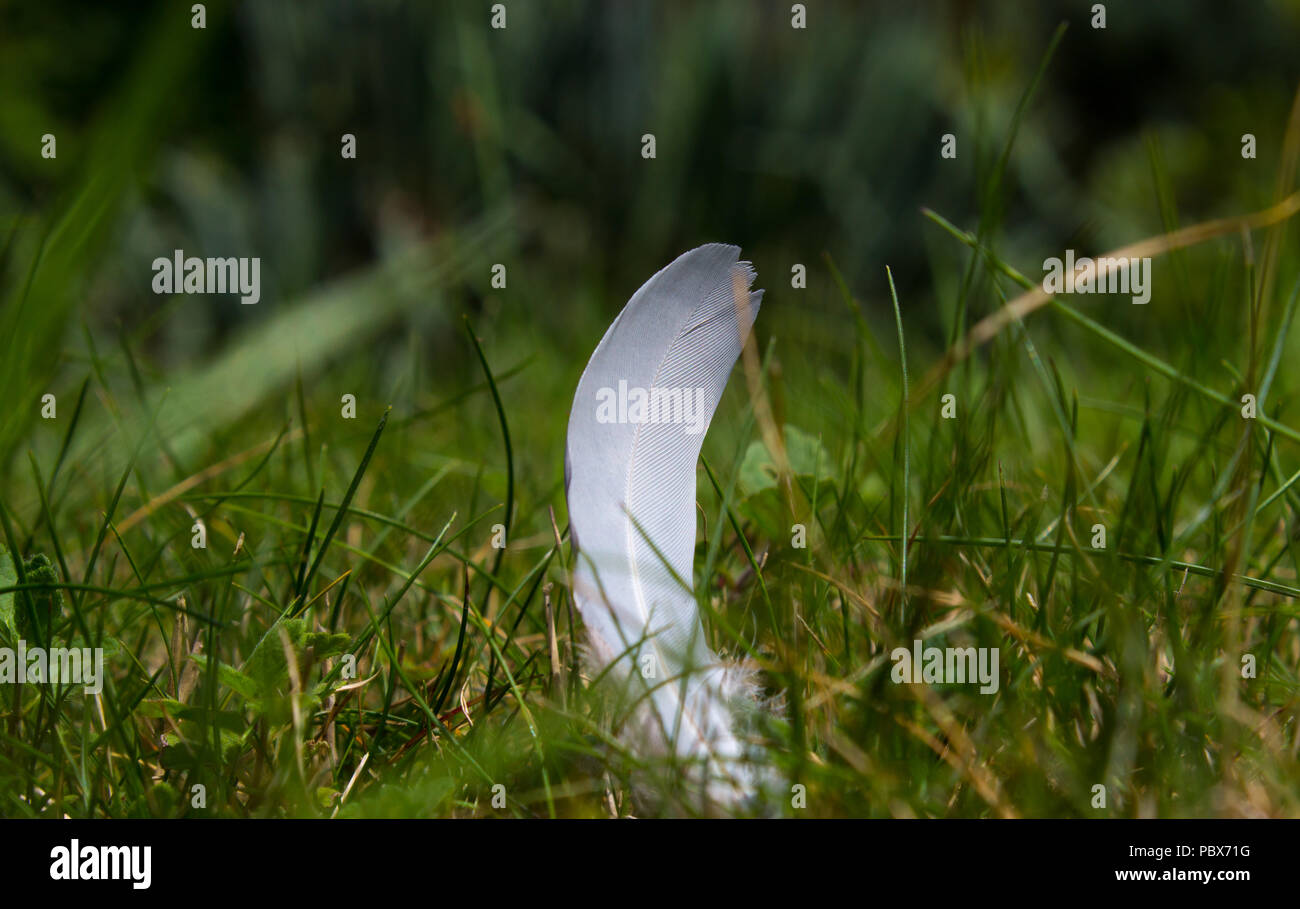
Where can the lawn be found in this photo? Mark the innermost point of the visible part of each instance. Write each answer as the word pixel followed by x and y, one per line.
pixel 320 540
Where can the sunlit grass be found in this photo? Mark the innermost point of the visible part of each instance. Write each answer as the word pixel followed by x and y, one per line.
pixel 351 642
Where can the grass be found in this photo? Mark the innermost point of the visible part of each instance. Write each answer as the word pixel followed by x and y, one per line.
pixel 350 642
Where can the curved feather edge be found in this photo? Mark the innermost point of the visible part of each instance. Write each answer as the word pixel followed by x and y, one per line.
pixel 630 484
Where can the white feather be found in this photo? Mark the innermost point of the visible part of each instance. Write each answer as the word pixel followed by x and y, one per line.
pixel 631 495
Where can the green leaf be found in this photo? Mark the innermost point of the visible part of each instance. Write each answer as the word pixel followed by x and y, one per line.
pixel 46 605
pixel 229 676
pixel 326 797
pixel 807 456
pixel 323 644
pixel 267 665
pixel 199 717
pixel 8 578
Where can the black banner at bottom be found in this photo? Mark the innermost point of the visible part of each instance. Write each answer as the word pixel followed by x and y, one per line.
pixel 341 858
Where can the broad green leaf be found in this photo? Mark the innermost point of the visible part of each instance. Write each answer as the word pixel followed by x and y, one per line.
pixel 807 456
pixel 267 665
pixel 8 578
pixel 229 676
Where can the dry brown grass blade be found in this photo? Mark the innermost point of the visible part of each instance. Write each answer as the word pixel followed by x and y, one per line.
pixel 1035 640
pixel 990 326
pixel 958 751
pixel 207 473
pixel 1286 175
pixel 773 436
pixel 553 648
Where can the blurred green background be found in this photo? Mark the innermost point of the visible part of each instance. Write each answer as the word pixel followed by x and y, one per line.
pixel 788 142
